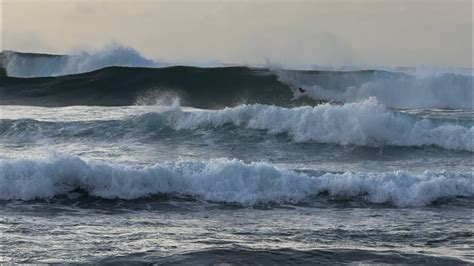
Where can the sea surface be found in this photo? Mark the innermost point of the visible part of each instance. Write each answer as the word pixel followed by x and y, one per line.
pixel 133 162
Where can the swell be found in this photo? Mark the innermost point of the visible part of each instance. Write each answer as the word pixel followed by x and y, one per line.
pixel 222 180
pixel 365 123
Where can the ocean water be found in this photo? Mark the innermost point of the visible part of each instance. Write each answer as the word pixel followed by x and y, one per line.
pixel 233 165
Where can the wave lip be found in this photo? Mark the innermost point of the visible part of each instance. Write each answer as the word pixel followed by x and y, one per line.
pixel 223 180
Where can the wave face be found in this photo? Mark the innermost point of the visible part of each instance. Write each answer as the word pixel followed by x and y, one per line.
pixel 222 180
pixel 365 123
pixel 42 65
pixel 119 86
pixel 396 90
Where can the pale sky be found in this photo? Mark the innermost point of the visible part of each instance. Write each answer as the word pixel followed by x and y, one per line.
pixel 291 33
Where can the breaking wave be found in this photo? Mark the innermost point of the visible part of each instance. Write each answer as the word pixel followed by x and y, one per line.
pixel 363 123
pixel 366 123
pixel 222 180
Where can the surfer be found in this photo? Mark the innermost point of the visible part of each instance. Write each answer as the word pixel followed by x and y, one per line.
pixel 299 93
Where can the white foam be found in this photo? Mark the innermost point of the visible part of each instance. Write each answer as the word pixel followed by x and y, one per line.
pixel 222 180
pixel 362 123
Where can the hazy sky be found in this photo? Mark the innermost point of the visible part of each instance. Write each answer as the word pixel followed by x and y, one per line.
pixel 336 32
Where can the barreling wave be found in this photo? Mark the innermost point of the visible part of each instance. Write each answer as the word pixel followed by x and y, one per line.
pixel 365 123
pixel 108 84
pixel 222 180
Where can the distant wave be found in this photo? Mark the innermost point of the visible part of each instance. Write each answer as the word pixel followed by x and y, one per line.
pixel 365 123
pixel 222 180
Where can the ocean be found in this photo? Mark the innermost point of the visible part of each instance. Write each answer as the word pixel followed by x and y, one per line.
pixel 115 159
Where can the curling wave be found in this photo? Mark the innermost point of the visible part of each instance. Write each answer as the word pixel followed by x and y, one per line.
pixel 222 180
